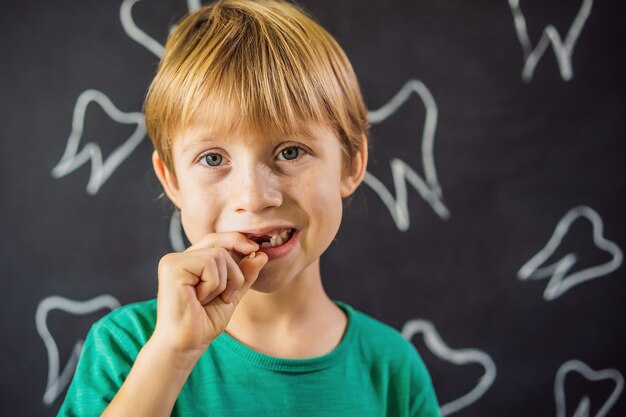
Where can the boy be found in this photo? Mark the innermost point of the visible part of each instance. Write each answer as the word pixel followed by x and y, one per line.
pixel 260 132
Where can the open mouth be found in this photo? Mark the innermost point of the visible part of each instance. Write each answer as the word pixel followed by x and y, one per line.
pixel 277 238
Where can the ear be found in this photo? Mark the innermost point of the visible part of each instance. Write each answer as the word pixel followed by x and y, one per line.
pixel 168 179
pixel 354 174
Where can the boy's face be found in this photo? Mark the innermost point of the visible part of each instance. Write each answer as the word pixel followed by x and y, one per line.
pixel 248 184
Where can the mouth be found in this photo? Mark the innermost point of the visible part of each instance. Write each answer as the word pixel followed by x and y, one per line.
pixel 273 239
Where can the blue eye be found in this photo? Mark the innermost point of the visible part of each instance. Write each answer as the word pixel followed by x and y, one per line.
pixel 213 159
pixel 291 153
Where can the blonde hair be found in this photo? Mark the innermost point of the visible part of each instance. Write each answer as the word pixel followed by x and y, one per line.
pixel 261 67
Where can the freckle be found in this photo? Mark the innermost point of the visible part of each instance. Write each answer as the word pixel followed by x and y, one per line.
pixel 252 255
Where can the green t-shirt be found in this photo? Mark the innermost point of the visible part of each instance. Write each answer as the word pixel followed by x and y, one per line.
pixel 373 371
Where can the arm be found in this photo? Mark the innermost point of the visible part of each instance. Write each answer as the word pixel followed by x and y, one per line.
pixel 153 384
pixel 198 292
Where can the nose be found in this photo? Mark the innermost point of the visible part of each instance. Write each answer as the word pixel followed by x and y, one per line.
pixel 256 189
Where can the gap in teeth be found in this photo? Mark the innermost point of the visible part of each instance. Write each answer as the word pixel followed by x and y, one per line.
pixel 277 239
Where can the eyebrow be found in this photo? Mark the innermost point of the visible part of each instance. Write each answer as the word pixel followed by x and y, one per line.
pixel 203 138
pixel 198 140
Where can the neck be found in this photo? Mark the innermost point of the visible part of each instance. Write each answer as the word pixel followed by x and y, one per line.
pixel 298 320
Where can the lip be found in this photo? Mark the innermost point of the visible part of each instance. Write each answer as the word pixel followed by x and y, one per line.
pixel 282 250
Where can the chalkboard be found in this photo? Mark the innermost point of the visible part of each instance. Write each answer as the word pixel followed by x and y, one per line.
pixel 489 229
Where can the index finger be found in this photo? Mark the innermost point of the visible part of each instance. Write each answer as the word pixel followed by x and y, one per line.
pixel 236 243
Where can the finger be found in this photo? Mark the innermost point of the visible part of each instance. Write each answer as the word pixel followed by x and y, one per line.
pixel 235 279
pixel 250 269
pixel 213 275
pixel 236 243
pixel 178 269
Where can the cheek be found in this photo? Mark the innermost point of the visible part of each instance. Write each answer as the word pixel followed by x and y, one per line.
pixel 199 206
pixel 323 199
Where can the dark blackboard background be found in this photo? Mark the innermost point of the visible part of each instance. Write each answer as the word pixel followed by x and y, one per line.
pixel 512 159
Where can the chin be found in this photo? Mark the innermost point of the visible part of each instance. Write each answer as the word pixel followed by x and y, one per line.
pixel 266 286
pixel 268 283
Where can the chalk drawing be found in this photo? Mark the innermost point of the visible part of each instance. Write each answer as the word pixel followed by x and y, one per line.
pixel 429 190
pixel 57 382
pixel 193 5
pixel 562 50
pixel 456 356
pixel 72 159
pixel 582 410
pixel 560 282
pixel 136 34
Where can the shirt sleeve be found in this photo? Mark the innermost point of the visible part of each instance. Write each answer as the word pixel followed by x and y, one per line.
pixel 424 401
pixel 106 359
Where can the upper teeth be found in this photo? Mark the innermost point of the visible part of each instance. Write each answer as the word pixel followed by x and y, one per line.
pixel 276 239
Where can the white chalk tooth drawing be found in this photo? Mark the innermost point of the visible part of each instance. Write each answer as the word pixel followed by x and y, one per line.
pixel 560 282
pixel 429 190
pixel 57 382
pixel 562 50
pixel 73 159
pixel 138 35
pixel 193 5
pixel 133 31
pixel 582 410
pixel 456 356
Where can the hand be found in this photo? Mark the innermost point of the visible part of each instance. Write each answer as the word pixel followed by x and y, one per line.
pixel 200 288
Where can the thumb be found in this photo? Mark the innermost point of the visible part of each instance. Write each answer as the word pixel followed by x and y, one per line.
pixel 250 269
